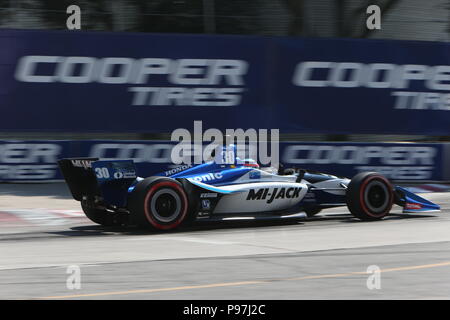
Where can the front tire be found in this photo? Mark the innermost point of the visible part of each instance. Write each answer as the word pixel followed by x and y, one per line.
pixel 160 203
pixel 369 196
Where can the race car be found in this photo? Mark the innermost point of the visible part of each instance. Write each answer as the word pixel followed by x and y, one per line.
pixel 225 188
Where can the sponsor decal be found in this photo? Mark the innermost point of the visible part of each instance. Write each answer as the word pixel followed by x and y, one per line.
pixel 177 170
pixel 208 177
pixel 270 194
pixel 27 172
pixel 353 154
pixel 413 206
pixel 401 173
pixel 124 175
pixel 190 82
pixel 404 78
pixel 203 214
pixel 206 204
pixel 395 162
pixel 138 152
pixel 86 164
pixel 29 161
pixel 208 195
pixel 123 170
pixel 20 153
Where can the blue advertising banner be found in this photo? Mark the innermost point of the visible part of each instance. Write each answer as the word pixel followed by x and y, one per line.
pixel 124 82
pixel 397 161
pixel 36 160
pixel 32 160
pixel 363 86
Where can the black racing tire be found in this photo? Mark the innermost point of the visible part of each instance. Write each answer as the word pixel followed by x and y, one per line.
pixel 96 215
pixel 159 203
pixel 312 211
pixel 369 196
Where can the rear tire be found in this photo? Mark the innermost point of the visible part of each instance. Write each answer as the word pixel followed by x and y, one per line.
pixel 160 203
pixel 369 196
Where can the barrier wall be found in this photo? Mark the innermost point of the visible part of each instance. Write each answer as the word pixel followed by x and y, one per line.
pixel 123 82
pixel 36 160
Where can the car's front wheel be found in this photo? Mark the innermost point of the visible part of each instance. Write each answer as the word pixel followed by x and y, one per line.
pixel 369 196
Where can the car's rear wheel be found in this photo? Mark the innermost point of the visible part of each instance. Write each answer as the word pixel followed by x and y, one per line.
pixel 159 202
pixel 369 196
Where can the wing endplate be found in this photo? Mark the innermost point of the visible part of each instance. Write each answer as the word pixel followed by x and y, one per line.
pixel 412 203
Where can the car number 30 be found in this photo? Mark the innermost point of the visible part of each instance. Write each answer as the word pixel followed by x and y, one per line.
pixel 102 173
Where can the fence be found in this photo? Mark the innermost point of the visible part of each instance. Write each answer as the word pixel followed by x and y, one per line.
pixel 35 161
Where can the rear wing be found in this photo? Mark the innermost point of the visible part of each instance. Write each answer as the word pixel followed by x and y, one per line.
pixel 90 178
pixel 79 176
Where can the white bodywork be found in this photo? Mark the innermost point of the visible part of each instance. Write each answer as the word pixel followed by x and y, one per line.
pixel 262 197
pixel 270 192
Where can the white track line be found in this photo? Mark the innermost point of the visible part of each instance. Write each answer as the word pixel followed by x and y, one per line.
pixel 39 217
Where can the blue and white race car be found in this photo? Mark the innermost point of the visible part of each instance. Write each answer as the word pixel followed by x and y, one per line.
pixel 111 193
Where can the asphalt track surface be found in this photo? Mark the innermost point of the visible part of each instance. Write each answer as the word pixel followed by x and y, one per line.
pixel 42 233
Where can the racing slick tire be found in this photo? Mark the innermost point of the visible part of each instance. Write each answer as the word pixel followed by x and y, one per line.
pixel 160 203
pixel 369 196
pixel 96 215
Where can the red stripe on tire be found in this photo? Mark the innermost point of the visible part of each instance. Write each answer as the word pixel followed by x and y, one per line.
pixel 361 196
pixel 152 190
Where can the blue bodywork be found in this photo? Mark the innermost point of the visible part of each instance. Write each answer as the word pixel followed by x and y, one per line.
pixel 414 203
pixel 213 173
pixel 117 178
